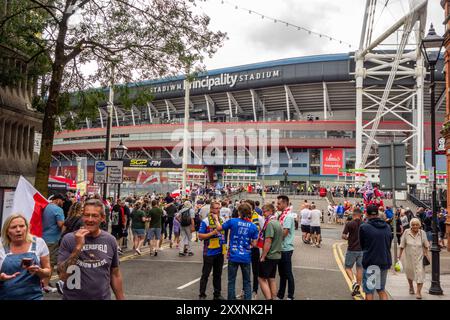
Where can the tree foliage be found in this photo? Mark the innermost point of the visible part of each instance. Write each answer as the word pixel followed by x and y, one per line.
pixel 82 39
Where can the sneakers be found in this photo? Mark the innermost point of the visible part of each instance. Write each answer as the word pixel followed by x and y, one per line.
pixel 49 289
pixel 138 252
pixel 190 254
pixel 254 296
pixel 60 286
pixel 181 254
pixel 201 297
pixel 240 295
pixel 171 244
pixel 156 253
pixel 119 251
pixel 219 298
pixel 355 289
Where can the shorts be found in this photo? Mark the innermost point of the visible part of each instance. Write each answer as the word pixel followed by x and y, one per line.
pixel 315 230
pixel 117 232
pixel 374 279
pixel 53 249
pixel 138 232
pixel 305 228
pixel 154 233
pixel 268 268
pixel 352 257
pixel 340 215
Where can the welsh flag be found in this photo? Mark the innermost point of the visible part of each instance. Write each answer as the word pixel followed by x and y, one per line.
pixel 29 202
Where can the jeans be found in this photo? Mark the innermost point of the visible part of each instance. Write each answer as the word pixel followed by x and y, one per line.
pixel 255 268
pixel 168 222
pixel 232 272
pixel 216 264
pixel 286 275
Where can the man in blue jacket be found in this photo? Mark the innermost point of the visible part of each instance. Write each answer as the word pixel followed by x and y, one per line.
pixel 375 237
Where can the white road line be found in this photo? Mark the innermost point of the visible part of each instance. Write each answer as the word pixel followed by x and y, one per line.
pixel 157 260
pixel 314 268
pixel 194 281
pixel 147 297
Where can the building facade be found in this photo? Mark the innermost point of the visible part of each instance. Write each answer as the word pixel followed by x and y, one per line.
pixel 307 103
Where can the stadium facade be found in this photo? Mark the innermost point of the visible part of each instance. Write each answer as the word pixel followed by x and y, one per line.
pixel 310 103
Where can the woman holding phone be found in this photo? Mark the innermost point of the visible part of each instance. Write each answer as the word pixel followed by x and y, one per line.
pixel 24 261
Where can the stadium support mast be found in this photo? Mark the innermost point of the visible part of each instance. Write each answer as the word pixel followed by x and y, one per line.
pixel 380 93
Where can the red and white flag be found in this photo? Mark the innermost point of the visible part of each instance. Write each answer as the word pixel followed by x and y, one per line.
pixel 29 202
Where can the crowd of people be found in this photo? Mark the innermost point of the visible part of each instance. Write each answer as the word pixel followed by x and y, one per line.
pixel 83 238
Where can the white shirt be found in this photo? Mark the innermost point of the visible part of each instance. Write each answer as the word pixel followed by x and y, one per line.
pixel 316 214
pixel 41 250
pixel 225 213
pixel 305 217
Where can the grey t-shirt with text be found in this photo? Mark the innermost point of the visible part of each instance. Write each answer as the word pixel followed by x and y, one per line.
pixel 91 277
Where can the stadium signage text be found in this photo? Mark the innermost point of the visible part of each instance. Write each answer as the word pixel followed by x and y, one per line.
pixel 224 79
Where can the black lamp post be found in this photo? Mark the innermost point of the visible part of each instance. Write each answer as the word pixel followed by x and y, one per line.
pixel 121 151
pixel 431 49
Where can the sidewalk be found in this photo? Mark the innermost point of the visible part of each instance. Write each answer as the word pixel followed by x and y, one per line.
pixel 398 288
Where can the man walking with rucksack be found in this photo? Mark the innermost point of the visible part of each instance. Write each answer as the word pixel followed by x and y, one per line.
pixel 118 222
pixel 186 218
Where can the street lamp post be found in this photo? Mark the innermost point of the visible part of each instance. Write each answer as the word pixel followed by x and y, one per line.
pixel 431 49
pixel 121 151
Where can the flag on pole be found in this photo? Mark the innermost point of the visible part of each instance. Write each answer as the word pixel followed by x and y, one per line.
pixel 29 202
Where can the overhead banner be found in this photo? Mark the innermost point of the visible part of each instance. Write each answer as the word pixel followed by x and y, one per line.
pixel 332 161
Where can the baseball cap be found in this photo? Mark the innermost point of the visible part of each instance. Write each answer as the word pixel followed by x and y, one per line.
pixel 372 210
pixel 58 196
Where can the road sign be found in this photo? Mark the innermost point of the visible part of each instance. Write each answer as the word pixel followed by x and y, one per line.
pixel 399 166
pixel 108 172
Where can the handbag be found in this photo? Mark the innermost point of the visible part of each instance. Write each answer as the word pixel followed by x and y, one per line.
pixel 425 260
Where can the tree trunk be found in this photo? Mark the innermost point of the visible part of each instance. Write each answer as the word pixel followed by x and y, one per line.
pixel 48 130
pixel 51 108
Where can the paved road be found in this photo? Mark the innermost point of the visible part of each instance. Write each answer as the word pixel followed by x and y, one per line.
pixel 168 276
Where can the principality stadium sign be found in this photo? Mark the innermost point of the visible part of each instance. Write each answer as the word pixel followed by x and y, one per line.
pixel 221 80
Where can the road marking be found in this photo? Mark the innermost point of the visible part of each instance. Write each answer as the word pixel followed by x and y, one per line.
pixel 341 267
pixel 339 247
pixel 315 268
pixel 196 280
pixel 157 260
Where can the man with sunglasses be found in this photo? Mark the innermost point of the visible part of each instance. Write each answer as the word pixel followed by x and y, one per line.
pixel 88 260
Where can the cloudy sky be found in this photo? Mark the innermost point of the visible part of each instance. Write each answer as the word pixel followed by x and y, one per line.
pixel 255 39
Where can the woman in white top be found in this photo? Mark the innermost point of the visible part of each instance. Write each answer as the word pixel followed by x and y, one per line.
pixel 24 261
pixel 415 244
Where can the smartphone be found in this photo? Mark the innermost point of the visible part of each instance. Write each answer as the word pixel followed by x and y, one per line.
pixel 27 262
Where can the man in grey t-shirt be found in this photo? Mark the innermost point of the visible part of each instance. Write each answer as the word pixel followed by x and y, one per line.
pixel 88 260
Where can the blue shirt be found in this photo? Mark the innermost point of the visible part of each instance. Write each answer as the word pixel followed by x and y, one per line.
pixel 340 210
pixel 241 236
pixel 51 232
pixel 213 245
pixel 259 211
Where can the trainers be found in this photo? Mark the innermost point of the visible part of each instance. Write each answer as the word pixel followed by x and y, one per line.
pixel 181 254
pixel 171 244
pixel 219 298
pixel 49 289
pixel 156 253
pixel 240 295
pixel 138 252
pixel 254 296
pixel 355 289
pixel 202 297
pixel 190 254
pixel 60 286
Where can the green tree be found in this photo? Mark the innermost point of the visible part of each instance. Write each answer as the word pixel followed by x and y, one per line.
pixel 143 39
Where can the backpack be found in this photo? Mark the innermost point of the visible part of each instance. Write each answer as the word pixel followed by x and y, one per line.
pixel 185 217
pixel 197 220
pixel 115 218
